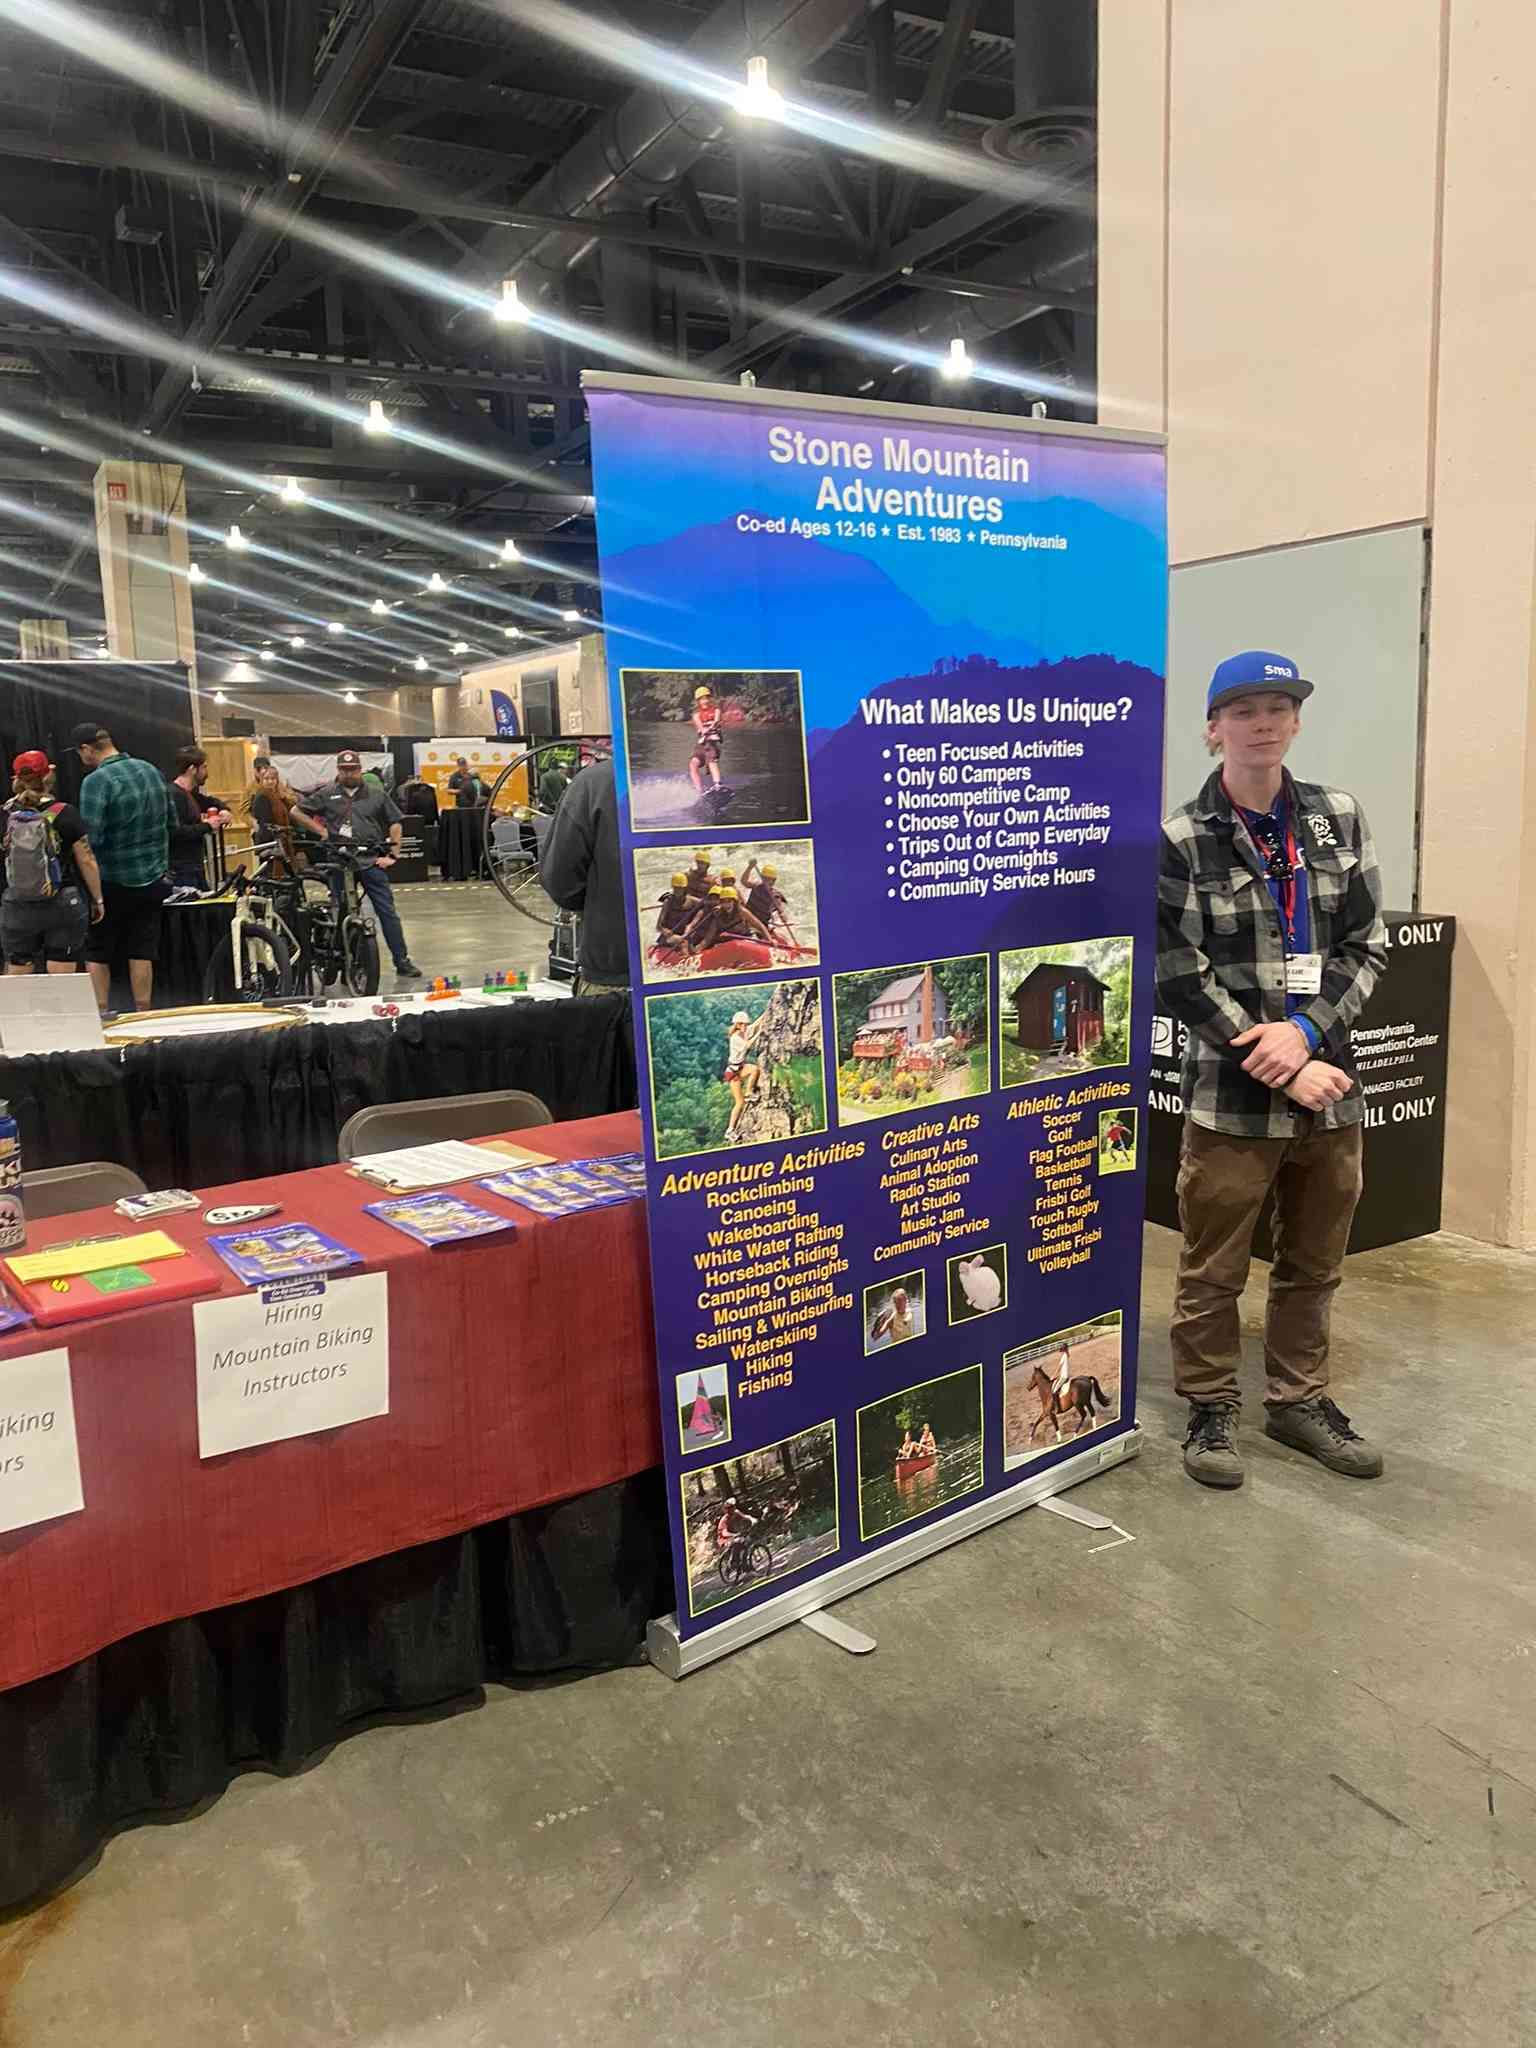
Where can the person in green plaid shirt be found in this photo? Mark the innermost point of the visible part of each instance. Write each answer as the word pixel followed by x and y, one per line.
pixel 1270 940
pixel 128 813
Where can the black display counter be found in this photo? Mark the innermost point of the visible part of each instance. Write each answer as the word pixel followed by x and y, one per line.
pixel 201 1112
pixel 461 844
pixel 168 1718
pixel 1401 1051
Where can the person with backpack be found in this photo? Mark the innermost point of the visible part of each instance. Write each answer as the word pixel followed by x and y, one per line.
pixel 52 882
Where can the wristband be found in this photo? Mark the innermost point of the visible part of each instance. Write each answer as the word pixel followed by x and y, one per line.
pixel 1309 1032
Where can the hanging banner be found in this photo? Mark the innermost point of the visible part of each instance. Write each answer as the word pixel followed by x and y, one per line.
pixel 887 696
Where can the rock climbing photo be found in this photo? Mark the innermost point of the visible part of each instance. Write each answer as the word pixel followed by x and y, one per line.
pixel 735 1066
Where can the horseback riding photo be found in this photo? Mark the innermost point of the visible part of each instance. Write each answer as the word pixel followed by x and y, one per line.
pixel 1060 1387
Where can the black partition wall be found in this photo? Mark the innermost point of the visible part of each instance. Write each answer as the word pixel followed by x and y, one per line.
pixel 146 706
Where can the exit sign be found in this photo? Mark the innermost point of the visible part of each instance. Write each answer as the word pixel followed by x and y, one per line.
pixel 118 493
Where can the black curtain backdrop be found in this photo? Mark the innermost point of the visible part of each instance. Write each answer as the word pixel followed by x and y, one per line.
pixel 145 705
pixel 202 1112
pixel 166 1719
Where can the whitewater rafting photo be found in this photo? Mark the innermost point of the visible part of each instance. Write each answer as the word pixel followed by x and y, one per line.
pixel 742 908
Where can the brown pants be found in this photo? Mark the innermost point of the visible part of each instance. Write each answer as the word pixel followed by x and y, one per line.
pixel 1223 1184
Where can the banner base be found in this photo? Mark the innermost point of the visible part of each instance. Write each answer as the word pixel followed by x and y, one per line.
pixel 676 1658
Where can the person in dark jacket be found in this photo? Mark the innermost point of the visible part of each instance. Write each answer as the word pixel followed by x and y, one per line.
pixel 581 871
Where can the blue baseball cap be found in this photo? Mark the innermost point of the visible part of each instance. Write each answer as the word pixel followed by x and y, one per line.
pixel 1241 674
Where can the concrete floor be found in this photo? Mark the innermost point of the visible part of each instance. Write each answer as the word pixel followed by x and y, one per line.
pixel 1267 1775
pixel 465 928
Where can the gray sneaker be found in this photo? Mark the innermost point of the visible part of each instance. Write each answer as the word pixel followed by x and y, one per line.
pixel 1323 1431
pixel 1210 1449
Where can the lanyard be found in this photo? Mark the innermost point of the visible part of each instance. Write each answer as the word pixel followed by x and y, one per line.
pixel 1288 880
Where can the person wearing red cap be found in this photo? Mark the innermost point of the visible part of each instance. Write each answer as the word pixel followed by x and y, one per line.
pixel 52 882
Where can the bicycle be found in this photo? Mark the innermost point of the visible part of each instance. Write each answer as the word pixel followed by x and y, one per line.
pixel 290 936
pixel 751 1556
pixel 256 960
pixel 517 823
pixel 340 944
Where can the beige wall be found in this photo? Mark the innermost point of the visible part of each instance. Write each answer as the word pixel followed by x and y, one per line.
pixel 1480 722
pixel 580 683
pixel 289 713
pixel 1325 293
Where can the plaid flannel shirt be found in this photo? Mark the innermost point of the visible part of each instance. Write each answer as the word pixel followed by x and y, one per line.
pixel 1221 953
pixel 129 814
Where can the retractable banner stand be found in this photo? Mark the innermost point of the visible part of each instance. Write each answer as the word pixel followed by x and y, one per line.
pixel 888 701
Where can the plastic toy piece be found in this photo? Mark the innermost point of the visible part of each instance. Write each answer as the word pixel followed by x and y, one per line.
pixel 386 1009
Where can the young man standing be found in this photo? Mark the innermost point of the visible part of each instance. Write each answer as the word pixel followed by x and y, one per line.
pixel 1270 941
pixel 197 817
pixel 128 817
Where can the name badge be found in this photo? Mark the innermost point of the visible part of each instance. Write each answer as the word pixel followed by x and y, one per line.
pixel 1303 974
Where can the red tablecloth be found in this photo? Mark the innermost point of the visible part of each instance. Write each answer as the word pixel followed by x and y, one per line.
pixel 521 1372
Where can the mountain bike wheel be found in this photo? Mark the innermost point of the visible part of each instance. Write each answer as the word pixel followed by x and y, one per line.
pixel 266 968
pixel 360 945
pixel 759 1560
pixel 522 821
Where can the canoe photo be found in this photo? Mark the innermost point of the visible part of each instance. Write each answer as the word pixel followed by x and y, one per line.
pixel 744 907
pixel 919 1450
pixel 719 746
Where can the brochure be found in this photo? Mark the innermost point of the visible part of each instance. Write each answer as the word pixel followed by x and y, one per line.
pixel 286 1251
pixel 440 1218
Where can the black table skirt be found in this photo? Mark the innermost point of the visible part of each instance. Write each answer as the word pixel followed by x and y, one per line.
pixel 201 1112
pixel 158 1723
pixel 461 844
pixel 190 934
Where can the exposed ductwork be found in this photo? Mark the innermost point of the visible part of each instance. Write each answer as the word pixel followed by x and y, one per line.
pixel 641 148
pixel 1063 259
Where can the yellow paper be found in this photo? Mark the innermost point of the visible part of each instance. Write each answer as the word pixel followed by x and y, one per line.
pixel 67 1260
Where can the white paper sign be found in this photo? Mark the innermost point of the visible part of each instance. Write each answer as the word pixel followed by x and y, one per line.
pixel 289 1360
pixel 39 1457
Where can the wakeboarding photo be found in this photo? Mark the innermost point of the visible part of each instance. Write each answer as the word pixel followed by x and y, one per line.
pixel 726 909
pixel 714 746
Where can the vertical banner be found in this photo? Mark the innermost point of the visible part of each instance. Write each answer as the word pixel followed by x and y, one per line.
pixel 888 700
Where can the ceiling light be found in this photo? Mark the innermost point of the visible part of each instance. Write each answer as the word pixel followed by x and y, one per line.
pixel 509 309
pixel 297 640
pixel 293 492
pixel 570 617
pixel 102 653
pixel 349 696
pixel 335 626
pixel 219 697
pixel 378 607
pixel 420 661
pixel 235 538
pixel 194 573
pixel 957 365
pixel 758 100
pixel 378 420
pixel 509 551
pixel 459 647
pixel 513 632
pixel 267 654
pixel 435 581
